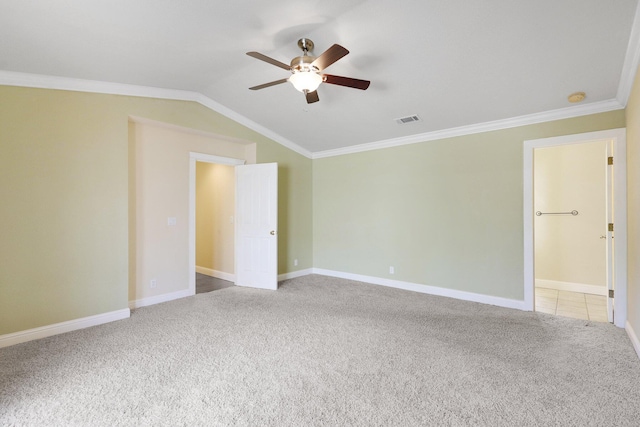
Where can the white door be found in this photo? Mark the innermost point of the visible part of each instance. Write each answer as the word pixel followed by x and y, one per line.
pixel 609 233
pixel 257 226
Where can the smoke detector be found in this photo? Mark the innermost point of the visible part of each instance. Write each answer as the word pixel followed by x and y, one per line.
pixel 576 97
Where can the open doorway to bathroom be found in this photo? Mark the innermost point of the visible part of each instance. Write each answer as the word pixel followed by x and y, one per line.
pixel 559 255
pixel 571 202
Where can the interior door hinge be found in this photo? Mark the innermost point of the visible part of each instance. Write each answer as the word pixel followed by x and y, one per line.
pixel 610 226
pixel 611 293
pixel 610 160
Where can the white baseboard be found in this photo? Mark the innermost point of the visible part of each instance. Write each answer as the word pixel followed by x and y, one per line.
pixel 215 273
pixel 572 287
pixel 143 302
pixel 60 328
pixel 426 289
pixel 633 337
pixel 294 274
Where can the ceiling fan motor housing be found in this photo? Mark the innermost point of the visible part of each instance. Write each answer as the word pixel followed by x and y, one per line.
pixel 303 63
pixel 305 44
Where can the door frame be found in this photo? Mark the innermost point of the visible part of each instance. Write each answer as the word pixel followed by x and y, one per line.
pixel 618 136
pixel 205 158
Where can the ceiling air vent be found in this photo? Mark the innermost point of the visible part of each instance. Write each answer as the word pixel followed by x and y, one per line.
pixel 408 119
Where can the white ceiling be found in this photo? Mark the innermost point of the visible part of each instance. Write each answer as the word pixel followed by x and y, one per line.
pixel 455 63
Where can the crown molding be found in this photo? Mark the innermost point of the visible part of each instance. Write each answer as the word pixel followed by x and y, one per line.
pixel 10 78
pixel 546 116
pixel 213 105
pixel 631 61
pixel 40 81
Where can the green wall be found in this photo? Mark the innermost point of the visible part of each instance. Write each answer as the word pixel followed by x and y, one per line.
pixel 64 199
pixel 294 210
pixel 444 213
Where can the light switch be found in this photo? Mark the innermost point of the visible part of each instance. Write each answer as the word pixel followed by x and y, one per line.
pixel 171 221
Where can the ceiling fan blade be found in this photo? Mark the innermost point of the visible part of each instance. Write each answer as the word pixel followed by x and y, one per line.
pixel 272 61
pixel 262 86
pixel 312 97
pixel 346 81
pixel 329 56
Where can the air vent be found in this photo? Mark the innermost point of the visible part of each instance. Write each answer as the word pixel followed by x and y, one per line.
pixel 408 119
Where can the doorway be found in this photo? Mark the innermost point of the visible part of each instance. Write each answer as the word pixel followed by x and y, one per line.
pixel 255 222
pixel 215 258
pixel 215 234
pixel 571 203
pixel 550 220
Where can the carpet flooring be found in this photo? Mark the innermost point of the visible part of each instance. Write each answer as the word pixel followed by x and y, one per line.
pixel 325 351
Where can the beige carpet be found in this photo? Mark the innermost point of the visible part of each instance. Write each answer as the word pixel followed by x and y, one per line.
pixel 324 351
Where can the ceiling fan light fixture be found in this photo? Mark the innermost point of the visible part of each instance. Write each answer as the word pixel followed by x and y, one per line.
pixel 305 80
pixel 306 71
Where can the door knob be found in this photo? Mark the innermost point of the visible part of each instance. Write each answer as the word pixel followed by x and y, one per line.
pixel 273 232
pixel 603 237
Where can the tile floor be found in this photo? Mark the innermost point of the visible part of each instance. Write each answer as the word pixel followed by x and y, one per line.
pixel 571 304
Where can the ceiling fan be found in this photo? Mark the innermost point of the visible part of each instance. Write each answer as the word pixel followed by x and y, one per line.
pixel 306 70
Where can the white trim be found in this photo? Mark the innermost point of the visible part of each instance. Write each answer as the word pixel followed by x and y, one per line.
pixel 215 273
pixel 192 223
pixel 572 287
pixel 527 215
pixel 211 104
pixel 210 158
pixel 157 299
pixel 425 289
pixel 41 81
pixel 546 116
pixel 618 136
pixel 62 327
pixel 10 78
pixel 633 337
pixel 631 60
pixel 193 158
pixel 294 274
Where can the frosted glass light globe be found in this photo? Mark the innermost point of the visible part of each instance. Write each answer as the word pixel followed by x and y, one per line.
pixel 305 80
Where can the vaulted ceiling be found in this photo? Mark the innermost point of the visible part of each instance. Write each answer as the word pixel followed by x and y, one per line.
pixel 457 64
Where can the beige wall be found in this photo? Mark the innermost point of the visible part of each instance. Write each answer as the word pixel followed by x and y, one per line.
pixel 568 248
pixel 215 211
pixel 444 213
pixel 633 206
pixel 162 191
pixel 65 200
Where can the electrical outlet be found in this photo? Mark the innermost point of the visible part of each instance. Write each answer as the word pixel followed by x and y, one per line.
pixel 295 262
pixel 153 283
pixel 392 270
